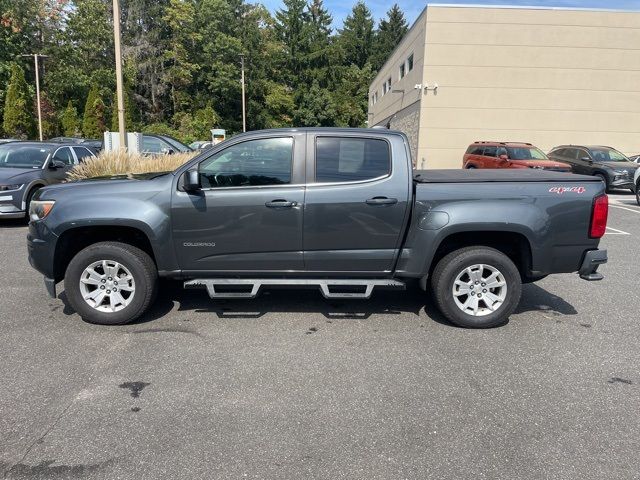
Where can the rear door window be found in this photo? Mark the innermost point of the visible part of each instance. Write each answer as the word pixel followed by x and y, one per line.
pixel 351 159
pixel 82 153
pixel 490 151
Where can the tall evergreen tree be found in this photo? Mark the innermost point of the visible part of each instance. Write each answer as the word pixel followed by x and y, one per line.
pixel 18 112
pixel 290 28
pixel 69 120
pixel 93 125
pixel 319 47
pixel 357 35
pixel 390 31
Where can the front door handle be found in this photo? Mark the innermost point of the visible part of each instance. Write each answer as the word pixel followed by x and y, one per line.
pixel 280 203
pixel 382 201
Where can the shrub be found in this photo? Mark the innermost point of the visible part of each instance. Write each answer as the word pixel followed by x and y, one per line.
pixel 123 163
pixel 18 114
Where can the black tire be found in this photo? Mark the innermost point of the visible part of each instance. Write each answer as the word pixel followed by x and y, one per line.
pixel 139 264
pixel 606 182
pixel 453 264
pixel 637 192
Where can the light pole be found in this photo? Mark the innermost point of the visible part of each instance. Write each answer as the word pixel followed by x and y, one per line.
pixel 119 88
pixel 244 116
pixel 35 59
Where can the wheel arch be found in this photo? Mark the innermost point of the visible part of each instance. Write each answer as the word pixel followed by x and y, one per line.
pixel 514 245
pixel 73 240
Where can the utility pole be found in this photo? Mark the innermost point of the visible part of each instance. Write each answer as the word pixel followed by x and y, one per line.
pixel 35 60
pixel 119 87
pixel 244 116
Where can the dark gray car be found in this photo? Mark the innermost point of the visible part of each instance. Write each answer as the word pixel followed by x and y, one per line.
pixel 27 166
pixel 613 167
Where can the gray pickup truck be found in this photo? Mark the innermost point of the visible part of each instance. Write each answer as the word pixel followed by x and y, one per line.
pixel 339 209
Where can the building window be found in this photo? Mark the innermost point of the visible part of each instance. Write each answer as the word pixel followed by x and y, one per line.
pixel 410 63
pixel 403 70
pixel 374 98
pixel 386 86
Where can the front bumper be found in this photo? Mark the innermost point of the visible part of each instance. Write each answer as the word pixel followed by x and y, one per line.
pixel 11 204
pixel 592 260
pixel 622 183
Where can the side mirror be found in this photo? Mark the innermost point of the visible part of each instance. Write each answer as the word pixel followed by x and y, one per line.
pixel 504 158
pixel 586 159
pixel 168 151
pixel 192 181
pixel 56 164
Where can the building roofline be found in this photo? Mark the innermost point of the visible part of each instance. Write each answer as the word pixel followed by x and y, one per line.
pixel 471 5
pixel 532 7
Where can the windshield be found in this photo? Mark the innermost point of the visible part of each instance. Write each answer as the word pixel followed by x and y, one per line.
pixel 13 155
pixel 526 153
pixel 607 155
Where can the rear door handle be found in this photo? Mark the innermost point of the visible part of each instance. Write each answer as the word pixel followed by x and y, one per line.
pixel 381 201
pixel 280 203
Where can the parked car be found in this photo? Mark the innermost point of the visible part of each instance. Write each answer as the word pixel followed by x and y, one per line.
pixel 200 145
pixel 27 166
pixel 93 143
pixel 606 163
pixel 7 140
pixel 636 182
pixel 509 155
pixel 153 144
pixel 340 209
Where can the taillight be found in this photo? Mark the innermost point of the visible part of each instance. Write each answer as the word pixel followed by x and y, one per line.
pixel 599 214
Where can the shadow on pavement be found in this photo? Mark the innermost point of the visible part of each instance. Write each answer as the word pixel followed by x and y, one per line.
pixel 383 302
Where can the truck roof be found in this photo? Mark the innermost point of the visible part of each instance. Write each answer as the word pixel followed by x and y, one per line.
pixel 336 130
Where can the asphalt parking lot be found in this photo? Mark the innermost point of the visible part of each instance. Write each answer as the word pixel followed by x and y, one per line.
pixel 290 385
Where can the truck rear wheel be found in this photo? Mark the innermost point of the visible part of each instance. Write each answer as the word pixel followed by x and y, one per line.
pixel 476 287
pixel 110 283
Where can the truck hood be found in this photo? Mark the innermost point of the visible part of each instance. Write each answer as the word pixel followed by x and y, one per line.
pixel 117 184
pixel 546 164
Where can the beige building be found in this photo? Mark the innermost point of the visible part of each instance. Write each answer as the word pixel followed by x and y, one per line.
pixel 541 75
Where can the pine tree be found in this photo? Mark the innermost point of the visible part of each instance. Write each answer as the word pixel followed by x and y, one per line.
pixel 70 126
pixel 318 58
pixel 290 29
pixel 390 31
pixel 356 37
pixel 93 125
pixel 18 114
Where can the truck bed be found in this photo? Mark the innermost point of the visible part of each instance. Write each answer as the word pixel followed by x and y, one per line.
pixel 497 175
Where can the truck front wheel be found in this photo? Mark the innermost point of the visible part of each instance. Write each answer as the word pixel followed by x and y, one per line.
pixel 476 287
pixel 110 283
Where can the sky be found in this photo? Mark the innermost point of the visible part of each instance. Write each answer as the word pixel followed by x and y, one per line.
pixel 340 8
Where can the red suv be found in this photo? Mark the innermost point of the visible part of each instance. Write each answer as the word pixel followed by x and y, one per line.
pixel 509 155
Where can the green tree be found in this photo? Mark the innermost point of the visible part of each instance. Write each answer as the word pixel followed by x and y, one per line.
pixel 290 27
pixel 320 45
pixel 93 124
pixel 390 31
pixel 356 37
pixel 69 120
pixel 18 114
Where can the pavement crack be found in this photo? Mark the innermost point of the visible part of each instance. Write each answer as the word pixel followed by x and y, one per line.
pixel 40 439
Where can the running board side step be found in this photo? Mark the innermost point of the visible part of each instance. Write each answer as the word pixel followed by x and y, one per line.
pixel 324 284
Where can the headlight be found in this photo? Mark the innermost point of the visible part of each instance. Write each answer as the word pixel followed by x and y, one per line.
pixel 4 188
pixel 39 209
pixel 620 172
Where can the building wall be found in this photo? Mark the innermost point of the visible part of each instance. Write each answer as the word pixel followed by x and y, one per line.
pixel 400 109
pixel 543 76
